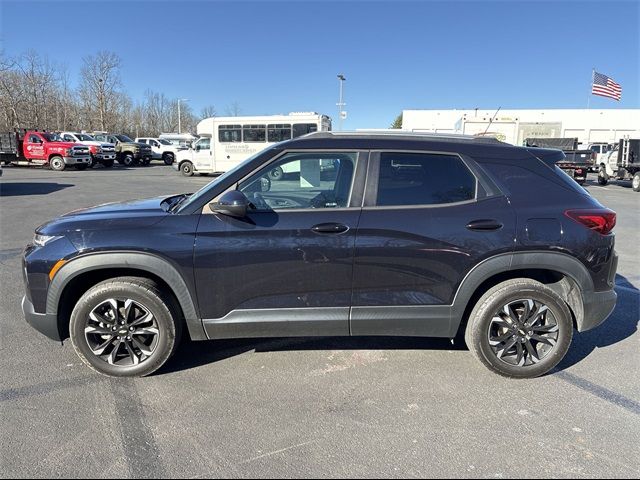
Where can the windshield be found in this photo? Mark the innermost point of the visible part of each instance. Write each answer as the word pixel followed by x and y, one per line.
pixel 52 137
pixel 124 138
pixel 204 191
pixel 84 137
pixel 163 141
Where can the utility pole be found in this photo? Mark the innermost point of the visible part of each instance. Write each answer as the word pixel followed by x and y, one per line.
pixel 341 113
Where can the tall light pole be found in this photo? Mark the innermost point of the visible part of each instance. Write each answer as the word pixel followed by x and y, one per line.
pixel 341 113
pixel 179 120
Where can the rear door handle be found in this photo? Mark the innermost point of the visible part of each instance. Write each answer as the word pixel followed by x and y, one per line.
pixel 333 228
pixel 484 225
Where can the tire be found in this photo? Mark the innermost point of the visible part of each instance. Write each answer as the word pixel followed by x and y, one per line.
pixel 57 163
pixel 168 158
pixel 635 182
pixel 110 353
pixel 276 174
pixel 186 168
pixel 107 163
pixel 603 178
pixel 128 160
pixel 82 166
pixel 489 320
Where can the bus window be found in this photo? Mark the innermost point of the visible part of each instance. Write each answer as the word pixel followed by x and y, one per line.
pixel 254 133
pixel 303 128
pixel 278 132
pixel 230 133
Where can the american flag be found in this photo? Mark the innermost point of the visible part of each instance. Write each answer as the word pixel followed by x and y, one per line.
pixel 605 87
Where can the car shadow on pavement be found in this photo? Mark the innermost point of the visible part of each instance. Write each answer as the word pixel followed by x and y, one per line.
pixel 622 323
pixel 195 354
pixel 14 189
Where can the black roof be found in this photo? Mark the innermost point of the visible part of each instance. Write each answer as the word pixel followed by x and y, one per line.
pixel 463 144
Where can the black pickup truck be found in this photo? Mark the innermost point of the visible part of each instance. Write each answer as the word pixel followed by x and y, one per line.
pixel 576 163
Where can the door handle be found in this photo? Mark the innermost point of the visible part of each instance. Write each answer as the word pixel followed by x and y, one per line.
pixel 484 225
pixel 334 228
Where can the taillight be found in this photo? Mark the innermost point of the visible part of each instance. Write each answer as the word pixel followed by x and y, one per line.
pixel 601 220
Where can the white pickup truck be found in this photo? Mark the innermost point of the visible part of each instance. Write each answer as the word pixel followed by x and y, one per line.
pixel 101 152
pixel 162 149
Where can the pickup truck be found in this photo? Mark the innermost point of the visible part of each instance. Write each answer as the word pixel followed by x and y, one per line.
pixel 128 152
pixel 622 163
pixel 101 152
pixel 161 149
pixel 32 147
pixel 576 163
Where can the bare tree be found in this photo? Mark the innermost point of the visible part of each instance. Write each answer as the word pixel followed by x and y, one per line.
pixel 208 112
pixel 99 87
pixel 233 110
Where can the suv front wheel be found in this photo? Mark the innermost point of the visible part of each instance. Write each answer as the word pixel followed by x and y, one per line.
pixel 520 329
pixel 125 327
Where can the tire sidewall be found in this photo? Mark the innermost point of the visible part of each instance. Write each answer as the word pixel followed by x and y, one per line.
pixel 128 160
pixel 168 158
pixel 635 182
pixel 276 174
pixel 57 164
pixel 187 169
pixel 104 291
pixel 491 304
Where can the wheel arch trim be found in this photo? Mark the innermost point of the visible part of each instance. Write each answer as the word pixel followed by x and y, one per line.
pixel 538 260
pixel 133 260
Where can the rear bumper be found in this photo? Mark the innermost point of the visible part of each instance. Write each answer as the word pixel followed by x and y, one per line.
pixel 597 308
pixel 45 323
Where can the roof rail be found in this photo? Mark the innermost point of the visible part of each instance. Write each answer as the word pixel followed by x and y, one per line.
pixel 405 133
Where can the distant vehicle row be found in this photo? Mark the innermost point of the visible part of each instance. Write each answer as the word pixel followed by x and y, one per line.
pixel 80 150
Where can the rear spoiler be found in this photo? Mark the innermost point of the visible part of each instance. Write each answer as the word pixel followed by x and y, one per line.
pixel 547 156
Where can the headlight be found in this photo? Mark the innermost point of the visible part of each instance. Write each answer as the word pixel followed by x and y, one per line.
pixel 42 240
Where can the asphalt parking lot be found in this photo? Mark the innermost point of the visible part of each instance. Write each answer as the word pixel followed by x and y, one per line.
pixel 306 407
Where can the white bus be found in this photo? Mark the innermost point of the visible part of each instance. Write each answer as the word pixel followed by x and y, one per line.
pixel 227 141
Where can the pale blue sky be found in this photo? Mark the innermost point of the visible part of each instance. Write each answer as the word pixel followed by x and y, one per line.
pixel 276 57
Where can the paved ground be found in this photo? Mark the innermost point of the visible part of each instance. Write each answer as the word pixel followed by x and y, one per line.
pixel 306 407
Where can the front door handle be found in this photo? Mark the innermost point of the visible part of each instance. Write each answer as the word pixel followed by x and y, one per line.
pixel 333 228
pixel 484 225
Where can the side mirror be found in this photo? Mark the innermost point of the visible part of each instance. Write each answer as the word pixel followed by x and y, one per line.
pixel 197 148
pixel 233 203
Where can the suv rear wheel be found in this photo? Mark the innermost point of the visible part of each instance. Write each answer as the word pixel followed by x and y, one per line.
pixel 125 327
pixel 520 329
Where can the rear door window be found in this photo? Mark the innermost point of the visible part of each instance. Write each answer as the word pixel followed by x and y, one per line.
pixel 423 179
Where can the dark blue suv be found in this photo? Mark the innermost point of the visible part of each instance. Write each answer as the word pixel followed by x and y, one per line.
pixel 361 234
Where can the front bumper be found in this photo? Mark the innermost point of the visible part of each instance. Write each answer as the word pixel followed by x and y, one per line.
pixel 46 324
pixel 77 160
pixel 105 156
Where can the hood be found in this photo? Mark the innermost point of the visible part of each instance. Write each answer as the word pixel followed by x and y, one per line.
pixel 138 213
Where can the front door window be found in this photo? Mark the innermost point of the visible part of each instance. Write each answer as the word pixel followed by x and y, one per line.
pixel 302 181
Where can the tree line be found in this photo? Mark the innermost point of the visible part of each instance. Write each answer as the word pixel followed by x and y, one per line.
pixel 37 93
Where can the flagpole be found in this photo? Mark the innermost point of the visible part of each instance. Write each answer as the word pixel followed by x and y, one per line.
pixel 593 75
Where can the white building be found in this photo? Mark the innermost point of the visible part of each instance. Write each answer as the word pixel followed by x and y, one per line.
pixel 514 126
